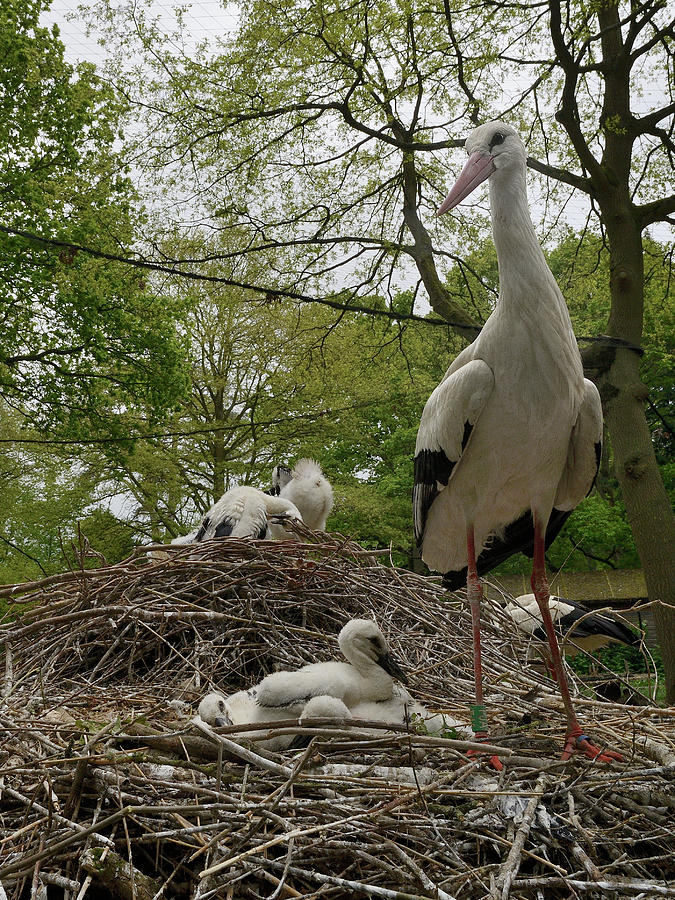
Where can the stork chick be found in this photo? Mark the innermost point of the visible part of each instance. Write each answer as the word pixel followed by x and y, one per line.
pixel 308 488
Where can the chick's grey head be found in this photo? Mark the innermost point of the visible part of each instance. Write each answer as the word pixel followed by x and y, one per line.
pixel 281 475
pixel 362 639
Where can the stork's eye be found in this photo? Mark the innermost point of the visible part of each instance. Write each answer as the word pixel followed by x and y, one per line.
pixel 497 138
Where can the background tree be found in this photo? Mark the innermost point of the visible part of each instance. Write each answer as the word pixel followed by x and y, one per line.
pixel 82 339
pixel 43 495
pixel 270 384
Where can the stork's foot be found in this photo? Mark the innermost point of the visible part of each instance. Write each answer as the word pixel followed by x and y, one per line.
pixel 577 740
pixel 493 761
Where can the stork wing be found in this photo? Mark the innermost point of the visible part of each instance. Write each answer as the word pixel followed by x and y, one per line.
pixel 581 466
pixel 445 428
pixel 577 622
pixel 583 454
pixel 253 521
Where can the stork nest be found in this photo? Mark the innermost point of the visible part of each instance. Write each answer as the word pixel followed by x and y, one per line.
pixel 109 786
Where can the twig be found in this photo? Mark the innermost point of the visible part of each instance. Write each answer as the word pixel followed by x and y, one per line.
pixel 510 868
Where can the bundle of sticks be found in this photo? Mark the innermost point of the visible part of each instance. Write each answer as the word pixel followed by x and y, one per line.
pixel 109 784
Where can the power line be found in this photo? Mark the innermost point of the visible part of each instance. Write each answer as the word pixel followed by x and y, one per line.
pixel 274 293
pixel 268 293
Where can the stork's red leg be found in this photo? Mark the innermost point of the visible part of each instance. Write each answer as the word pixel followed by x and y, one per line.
pixel 474 591
pixel 575 736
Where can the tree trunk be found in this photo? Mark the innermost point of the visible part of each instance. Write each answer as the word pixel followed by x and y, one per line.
pixel 647 505
pixel 218 446
pixel 617 375
pixel 624 395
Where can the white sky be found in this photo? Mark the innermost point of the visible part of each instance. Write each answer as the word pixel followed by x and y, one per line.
pixel 204 19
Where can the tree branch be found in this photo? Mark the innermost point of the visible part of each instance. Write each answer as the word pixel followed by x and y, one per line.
pixel 266 292
pixel 580 182
pixel 568 114
pixel 656 211
pixel 42 355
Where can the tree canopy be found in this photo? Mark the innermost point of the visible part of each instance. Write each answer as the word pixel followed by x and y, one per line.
pixel 270 384
pixel 82 338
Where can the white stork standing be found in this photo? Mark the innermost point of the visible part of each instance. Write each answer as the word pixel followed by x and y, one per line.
pixel 509 441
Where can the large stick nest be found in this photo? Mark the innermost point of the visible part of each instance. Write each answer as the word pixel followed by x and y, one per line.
pixel 108 786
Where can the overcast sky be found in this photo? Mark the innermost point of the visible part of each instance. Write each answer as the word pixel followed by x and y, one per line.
pixel 204 19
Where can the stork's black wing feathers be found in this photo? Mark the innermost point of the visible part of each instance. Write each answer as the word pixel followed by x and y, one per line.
pixel 432 468
pixel 447 422
pixel 595 624
pixel 224 528
pixel 518 537
pixel 202 529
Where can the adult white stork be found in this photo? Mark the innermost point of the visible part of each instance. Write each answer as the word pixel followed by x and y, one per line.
pixel 509 441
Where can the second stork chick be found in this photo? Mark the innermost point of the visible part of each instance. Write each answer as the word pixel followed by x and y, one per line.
pixel 578 628
pixel 308 488
pixel 286 695
pixel 244 512
pixel 368 674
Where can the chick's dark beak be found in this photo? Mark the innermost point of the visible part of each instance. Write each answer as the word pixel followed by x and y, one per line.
pixel 389 664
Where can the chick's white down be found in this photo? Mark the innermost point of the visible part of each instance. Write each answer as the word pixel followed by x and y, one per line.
pixel 310 491
pixel 244 512
pixel 367 675
pixel 360 688
pixel 303 493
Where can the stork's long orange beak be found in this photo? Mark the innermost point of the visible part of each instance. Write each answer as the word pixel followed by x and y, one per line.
pixel 478 167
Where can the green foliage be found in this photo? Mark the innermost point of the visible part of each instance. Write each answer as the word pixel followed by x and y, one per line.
pixel 376 520
pixel 42 495
pixel 108 535
pixel 50 504
pixel 270 384
pixel 620 659
pixel 628 662
pixel 83 339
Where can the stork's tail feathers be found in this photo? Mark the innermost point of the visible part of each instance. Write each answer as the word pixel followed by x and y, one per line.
pixel 307 468
pixel 518 536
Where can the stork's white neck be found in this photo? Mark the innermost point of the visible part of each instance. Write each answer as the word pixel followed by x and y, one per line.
pixel 525 279
pixel 527 288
